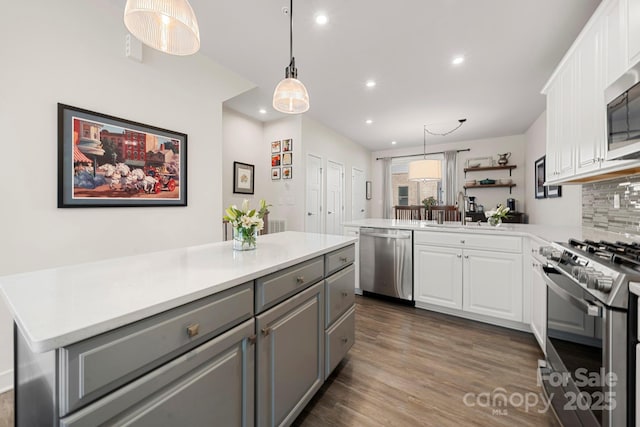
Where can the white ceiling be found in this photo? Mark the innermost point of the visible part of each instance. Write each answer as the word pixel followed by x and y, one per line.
pixel 511 48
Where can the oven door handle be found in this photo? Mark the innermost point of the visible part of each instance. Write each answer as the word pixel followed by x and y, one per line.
pixel 585 306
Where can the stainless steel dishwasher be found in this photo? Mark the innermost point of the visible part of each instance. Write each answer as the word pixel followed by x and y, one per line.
pixel 386 262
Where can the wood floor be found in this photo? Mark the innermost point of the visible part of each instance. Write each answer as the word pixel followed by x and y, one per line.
pixel 411 367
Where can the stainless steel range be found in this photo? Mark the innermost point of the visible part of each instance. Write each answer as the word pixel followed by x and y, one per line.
pixel 591 329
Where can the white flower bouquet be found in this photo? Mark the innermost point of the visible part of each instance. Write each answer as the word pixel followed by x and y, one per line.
pixel 246 223
pixel 496 216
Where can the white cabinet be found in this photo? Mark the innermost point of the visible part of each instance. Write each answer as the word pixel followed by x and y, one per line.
pixel 438 275
pixel 469 273
pixel 614 26
pixel 355 232
pixel 492 284
pixel 633 31
pixel 538 292
pixel 561 120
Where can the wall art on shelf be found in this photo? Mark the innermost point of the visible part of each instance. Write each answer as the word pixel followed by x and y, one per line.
pixel 554 191
pixel 107 161
pixel 275 147
pixel 276 160
pixel 287 145
pixel 541 190
pixel 368 190
pixel 287 158
pixel 243 178
pixel 287 172
pixel 275 174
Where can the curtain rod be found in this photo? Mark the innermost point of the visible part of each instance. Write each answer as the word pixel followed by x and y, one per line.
pixel 421 154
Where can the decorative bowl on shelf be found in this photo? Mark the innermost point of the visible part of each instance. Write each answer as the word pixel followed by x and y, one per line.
pixel 473 165
pixel 487 181
pixel 506 181
pixel 470 182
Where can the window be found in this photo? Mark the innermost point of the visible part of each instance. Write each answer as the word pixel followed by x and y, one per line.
pixel 407 193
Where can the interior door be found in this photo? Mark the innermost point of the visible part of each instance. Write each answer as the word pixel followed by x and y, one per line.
pixel 358 197
pixel 313 215
pixel 335 185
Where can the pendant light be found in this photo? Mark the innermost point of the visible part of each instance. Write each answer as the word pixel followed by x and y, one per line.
pixel 169 26
pixel 291 96
pixel 429 169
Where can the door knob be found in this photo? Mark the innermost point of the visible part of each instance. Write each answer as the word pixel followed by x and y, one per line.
pixel 309 214
pixel 361 210
pixel 329 212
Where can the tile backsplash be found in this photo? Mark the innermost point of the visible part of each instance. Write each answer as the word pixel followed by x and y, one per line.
pixel 599 198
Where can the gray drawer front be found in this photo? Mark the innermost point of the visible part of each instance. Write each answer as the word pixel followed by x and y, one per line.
pixel 220 372
pixel 339 339
pixel 94 367
pixel 278 286
pixel 336 260
pixel 340 290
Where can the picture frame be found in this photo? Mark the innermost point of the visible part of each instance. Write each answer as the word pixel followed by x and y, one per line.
pixel 287 172
pixel 287 145
pixel 554 191
pixel 243 178
pixel 539 177
pixel 287 158
pixel 108 161
pixel 276 160
pixel 275 146
pixel 275 174
pixel 368 190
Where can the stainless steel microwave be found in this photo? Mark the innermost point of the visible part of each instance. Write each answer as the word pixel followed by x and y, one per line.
pixel 623 116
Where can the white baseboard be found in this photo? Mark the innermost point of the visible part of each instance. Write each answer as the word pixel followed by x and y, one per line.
pixel 477 317
pixel 6 380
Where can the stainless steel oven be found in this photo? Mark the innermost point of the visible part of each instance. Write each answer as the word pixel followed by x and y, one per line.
pixel 586 371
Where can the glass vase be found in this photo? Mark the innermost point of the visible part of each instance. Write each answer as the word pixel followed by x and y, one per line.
pixel 493 221
pixel 245 239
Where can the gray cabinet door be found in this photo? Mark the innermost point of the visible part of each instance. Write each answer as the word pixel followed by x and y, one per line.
pixel 290 356
pixel 212 384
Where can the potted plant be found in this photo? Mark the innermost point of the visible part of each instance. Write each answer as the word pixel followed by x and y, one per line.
pixel 496 216
pixel 246 223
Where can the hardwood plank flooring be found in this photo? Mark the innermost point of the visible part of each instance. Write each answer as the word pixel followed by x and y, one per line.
pixel 6 409
pixel 411 367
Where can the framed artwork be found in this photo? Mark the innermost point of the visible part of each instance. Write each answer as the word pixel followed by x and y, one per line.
pixel 107 161
pixel 541 190
pixel 275 147
pixel 287 158
pixel 275 174
pixel 368 190
pixel 243 178
pixel 286 172
pixel 554 191
pixel 276 160
pixel 287 145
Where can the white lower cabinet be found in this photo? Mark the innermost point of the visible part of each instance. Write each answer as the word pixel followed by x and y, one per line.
pixel 492 284
pixel 438 275
pixel 538 307
pixel 486 282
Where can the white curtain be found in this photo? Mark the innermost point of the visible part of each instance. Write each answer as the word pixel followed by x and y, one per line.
pixel 450 177
pixel 387 190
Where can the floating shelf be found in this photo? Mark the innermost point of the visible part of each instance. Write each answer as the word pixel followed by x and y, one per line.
pixel 490 168
pixel 510 186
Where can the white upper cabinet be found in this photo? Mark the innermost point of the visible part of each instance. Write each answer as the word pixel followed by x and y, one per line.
pixel 613 21
pixel 633 31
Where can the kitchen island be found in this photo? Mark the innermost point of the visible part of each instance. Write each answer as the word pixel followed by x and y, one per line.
pixel 198 334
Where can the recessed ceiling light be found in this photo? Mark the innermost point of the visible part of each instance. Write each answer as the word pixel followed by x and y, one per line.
pixel 263 111
pixel 321 19
pixel 394 142
pixel 369 121
pixel 370 83
pixel 458 60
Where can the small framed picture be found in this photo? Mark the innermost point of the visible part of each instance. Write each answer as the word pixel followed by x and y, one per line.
pixel 286 172
pixel 243 178
pixel 287 158
pixel 275 160
pixel 287 145
pixel 275 147
pixel 541 190
pixel 554 191
pixel 275 174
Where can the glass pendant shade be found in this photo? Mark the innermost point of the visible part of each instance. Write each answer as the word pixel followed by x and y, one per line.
pixel 169 26
pixel 425 170
pixel 291 97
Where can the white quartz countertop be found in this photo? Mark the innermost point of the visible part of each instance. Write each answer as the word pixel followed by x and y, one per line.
pixel 547 233
pixel 60 306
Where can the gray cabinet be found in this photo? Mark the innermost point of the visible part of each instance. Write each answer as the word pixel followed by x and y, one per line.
pixel 213 383
pixel 290 356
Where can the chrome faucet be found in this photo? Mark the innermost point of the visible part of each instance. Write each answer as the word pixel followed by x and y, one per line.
pixel 462 207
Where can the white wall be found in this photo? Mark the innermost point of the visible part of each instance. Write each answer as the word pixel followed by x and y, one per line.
pixel 490 147
pixel 565 210
pixel 73 52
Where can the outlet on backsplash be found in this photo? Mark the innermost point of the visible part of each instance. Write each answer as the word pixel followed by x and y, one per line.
pixel 616 201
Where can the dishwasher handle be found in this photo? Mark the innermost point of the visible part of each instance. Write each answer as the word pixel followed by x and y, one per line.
pixel 403 236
